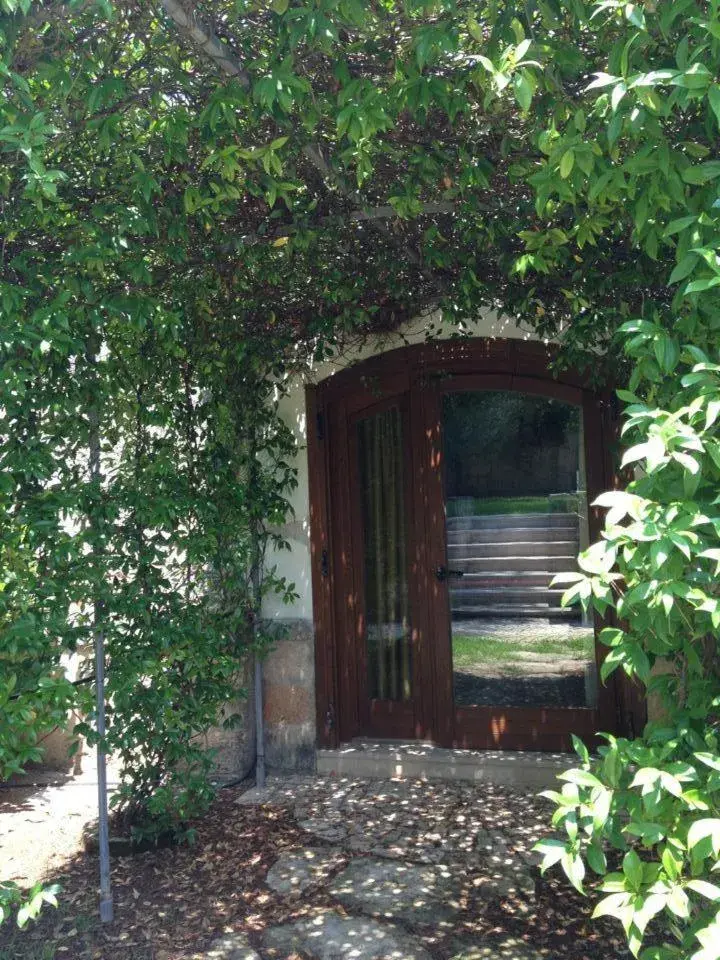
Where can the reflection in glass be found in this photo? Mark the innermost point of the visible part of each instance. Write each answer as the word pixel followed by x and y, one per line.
pixel 382 494
pixel 516 512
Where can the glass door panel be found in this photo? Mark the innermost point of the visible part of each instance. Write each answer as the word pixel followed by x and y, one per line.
pixel 384 537
pixel 516 514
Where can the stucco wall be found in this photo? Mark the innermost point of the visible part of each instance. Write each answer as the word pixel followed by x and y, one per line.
pixel 295 563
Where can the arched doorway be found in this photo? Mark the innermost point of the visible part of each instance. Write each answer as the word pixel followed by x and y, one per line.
pixel 449 482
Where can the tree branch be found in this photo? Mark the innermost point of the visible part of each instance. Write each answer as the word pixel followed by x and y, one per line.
pixel 367 215
pixel 202 36
pixel 388 212
pixel 199 33
pixel 315 155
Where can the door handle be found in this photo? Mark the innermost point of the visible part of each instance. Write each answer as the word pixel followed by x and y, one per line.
pixel 442 573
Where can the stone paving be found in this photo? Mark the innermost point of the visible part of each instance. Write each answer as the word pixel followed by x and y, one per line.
pixel 399 866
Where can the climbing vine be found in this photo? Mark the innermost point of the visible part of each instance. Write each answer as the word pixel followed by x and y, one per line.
pixel 197 201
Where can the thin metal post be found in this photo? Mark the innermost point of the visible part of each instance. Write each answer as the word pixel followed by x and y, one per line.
pixel 106 900
pixel 259 712
pixel 256 579
pixel 259 727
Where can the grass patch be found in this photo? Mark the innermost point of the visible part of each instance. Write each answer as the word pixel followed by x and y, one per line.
pixel 483 506
pixel 471 650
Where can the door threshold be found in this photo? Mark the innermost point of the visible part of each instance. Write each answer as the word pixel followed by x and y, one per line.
pixel 385 759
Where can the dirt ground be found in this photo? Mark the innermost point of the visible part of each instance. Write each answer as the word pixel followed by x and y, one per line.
pixel 172 904
pixel 42 817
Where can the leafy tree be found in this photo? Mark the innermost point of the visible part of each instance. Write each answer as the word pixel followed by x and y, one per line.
pixel 636 152
pixel 196 201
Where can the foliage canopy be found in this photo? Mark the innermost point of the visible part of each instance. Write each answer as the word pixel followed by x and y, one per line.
pixel 196 200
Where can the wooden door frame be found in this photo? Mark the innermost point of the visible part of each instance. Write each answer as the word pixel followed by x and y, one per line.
pixel 514 727
pixel 394 719
pixel 411 370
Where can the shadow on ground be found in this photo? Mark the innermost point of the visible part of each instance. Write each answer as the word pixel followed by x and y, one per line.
pixel 405 869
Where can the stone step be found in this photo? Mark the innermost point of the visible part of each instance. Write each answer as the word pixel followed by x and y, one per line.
pixel 504 520
pixel 515 611
pixel 493 580
pixel 517 564
pixel 457 536
pixel 532 548
pixel 507 596
pixel 418 760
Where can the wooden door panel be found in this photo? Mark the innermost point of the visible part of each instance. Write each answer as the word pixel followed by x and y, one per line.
pixel 504 727
pixel 416 378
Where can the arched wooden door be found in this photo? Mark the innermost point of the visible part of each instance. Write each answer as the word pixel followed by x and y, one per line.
pixel 429 601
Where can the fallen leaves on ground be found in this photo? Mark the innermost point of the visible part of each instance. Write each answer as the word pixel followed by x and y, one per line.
pixel 171 903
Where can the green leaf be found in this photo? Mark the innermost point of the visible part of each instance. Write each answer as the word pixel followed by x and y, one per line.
pixel 714 101
pixel 702 173
pixel 705 889
pixel 680 224
pixel 524 88
pixel 552 852
pixel 684 268
pixel 711 760
pixel 612 905
pixel 633 869
pixel 583 778
pixel 574 869
pixel 597 860
pixel 651 833
pixel 678 903
pixel 567 163
pixel 580 749
pixel 698 286
pixel 602 80
pixel 671 864
pixel 700 829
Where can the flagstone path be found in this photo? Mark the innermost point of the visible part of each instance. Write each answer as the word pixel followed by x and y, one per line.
pixel 401 868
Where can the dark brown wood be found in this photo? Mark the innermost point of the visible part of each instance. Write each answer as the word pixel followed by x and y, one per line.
pixel 322 585
pixel 610 705
pixel 631 700
pixel 440 656
pixel 382 375
pixel 379 718
pixel 521 728
pixel 511 727
pixel 422 374
pixel 422 580
pixel 345 591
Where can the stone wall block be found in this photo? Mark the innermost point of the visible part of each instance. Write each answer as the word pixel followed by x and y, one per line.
pixel 289 697
pixel 235 747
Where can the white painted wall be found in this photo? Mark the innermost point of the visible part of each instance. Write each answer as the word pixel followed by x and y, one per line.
pixel 294 564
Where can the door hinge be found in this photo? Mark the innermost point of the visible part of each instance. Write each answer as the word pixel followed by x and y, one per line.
pixel 320 425
pixel 330 717
pixel 324 564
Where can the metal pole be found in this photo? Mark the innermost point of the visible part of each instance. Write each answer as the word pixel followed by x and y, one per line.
pixel 106 901
pixel 259 727
pixel 255 577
